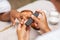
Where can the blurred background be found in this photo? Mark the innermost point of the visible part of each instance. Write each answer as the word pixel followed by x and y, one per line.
pixel 19 3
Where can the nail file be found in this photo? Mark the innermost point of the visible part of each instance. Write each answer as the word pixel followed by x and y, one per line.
pixel 30 20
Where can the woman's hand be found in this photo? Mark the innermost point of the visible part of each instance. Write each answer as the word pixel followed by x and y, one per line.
pixel 23 32
pixel 13 15
pixel 41 22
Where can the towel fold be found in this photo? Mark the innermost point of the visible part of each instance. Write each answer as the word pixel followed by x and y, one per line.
pixel 5 6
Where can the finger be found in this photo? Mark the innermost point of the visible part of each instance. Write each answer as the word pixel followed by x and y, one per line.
pixel 12 20
pixel 34 24
pixel 24 17
pixel 24 27
pixel 22 21
pixel 28 28
pixel 28 33
pixel 44 16
pixel 19 27
pixel 35 19
pixel 19 19
pixel 42 13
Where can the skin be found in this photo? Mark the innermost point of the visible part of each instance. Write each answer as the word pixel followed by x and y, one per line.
pixel 41 23
pixel 13 15
pixel 10 16
pixel 26 15
pixel 23 32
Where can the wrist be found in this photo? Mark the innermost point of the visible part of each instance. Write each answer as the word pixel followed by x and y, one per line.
pixel 47 29
pixel 19 38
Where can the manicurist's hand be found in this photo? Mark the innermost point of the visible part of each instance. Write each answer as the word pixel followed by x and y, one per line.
pixel 23 32
pixel 41 23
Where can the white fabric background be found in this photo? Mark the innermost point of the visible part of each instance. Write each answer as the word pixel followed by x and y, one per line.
pixel 10 34
pixel 54 35
pixel 5 6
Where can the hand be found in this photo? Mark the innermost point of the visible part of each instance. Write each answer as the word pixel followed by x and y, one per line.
pixel 13 15
pixel 23 32
pixel 41 22
pixel 5 17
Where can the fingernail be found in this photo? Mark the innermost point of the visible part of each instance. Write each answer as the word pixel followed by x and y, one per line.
pixel 32 16
pixel 25 21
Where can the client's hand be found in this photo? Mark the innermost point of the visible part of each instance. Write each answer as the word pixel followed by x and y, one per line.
pixel 13 15
pixel 23 32
pixel 41 23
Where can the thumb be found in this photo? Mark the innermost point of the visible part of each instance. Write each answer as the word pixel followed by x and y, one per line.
pixel 35 19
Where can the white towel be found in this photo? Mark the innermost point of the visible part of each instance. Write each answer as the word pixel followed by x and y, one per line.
pixel 4 6
pixel 54 35
pixel 2 0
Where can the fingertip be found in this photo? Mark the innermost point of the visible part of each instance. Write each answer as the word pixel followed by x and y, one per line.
pixel 22 21
pixel 19 27
pixel 32 16
pixel 24 26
